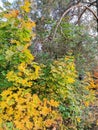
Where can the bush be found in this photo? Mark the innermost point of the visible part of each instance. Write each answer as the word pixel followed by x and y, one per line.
pixel 59 80
pixel 15 57
pixel 63 98
pixel 21 110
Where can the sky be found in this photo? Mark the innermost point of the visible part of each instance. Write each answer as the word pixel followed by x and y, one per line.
pixel 0 3
pixel 8 0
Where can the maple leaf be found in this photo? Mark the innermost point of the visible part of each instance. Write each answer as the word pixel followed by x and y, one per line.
pixel 13 13
pixel 54 103
pixel 26 6
pixel 45 111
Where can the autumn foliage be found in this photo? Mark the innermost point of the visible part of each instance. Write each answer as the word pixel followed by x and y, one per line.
pixel 25 111
pixel 35 96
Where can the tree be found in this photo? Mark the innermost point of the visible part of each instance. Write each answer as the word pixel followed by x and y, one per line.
pixel 63 98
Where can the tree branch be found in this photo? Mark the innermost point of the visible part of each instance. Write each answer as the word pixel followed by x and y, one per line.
pixel 85 10
pixel 72 7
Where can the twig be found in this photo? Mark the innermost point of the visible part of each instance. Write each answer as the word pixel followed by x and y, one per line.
pixel 78 5
pixel 85 10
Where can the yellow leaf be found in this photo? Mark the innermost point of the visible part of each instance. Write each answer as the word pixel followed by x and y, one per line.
pixel 26 6
pixel 70 80
pixel 78 119
pixel 86 103
pixel 54 103
pixel 36 100
pixel 22 67
pixel 45 111
pixel 19 125
pixel 49 122
pixel 1 121
pixel 13 13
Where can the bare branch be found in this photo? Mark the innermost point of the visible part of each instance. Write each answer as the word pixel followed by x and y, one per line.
pixel 66 12
pixel 63 17
pixel 84 11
